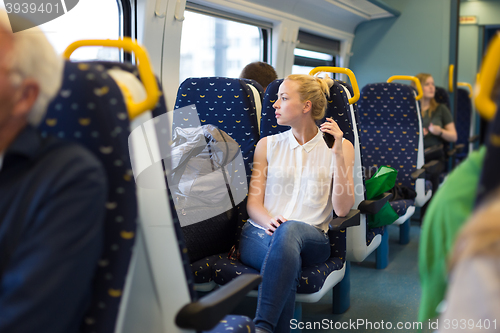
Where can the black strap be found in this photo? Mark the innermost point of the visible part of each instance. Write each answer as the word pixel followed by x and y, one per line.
pixel 178 171
pixel 224 170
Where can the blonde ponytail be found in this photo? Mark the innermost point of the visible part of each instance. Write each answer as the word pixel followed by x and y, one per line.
pixel 314 89
pixel 325 83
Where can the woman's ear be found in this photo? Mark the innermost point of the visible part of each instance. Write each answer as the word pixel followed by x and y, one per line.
pixel 307 106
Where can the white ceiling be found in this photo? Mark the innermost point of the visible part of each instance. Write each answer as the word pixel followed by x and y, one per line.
pixel 340 14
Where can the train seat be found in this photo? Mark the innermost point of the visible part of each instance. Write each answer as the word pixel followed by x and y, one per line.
pixel 463 124
pixel 391 133
pixel 258 95
pixel 90 110
pixel 228 104
pixel 160 242
pixel 257 87
pixel 193 316
pixel 361 240
pixel 490 177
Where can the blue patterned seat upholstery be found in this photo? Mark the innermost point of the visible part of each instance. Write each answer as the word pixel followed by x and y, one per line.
pixel 312 278
pixel 90 110
pixel 391 132
pixel 203 268
pixel 345 117
pixel 268 124
pixel 230 323
pixel 228 104
pixel 257 86
pixel 235 324
pixel 225 103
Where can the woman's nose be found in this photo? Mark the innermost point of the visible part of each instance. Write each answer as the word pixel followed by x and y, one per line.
pixel 276 104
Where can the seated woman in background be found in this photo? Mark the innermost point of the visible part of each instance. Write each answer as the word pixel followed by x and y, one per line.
pixel 437 125
pixel 437 121
pixel 292 197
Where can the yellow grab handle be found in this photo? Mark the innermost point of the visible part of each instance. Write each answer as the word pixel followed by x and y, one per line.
pixel 145 72
pixel 341 70
pixel 468 85
pixel 486 80
pixel 409 78
pixel 450 77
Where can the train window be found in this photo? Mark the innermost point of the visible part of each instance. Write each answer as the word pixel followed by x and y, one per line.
pixel 306 60
pixel 313 51
pixel 85 22
pixel 212 45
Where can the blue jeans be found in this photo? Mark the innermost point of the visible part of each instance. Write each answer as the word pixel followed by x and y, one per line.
pixel 280 259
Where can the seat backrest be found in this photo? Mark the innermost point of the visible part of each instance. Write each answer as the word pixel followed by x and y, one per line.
pixel 490 177
pixel 268 124
pixel 257 86
pixel 223 102
pixel 390 129
pixel 90 110
pixel 359 237
pixel 463 119
pixel 441 96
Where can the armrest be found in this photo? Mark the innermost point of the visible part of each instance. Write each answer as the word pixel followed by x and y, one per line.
pixel 419 173
pixel 351 220
pixel 474 138
pixel 373 206
pixel 205 313
pixel 432 167
pixel 456 150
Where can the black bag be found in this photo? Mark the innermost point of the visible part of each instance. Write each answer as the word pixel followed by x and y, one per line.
pixel 401 192
pixel 208 182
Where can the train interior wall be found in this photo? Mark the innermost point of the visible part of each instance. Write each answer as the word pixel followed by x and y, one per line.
pixel 416 41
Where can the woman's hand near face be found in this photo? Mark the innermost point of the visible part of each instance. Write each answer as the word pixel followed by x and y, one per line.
pixel 331 127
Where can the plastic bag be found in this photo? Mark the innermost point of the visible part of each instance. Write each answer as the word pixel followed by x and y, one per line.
pixel 382 181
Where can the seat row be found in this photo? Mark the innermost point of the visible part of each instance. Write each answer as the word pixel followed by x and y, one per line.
pixel 388 133
pixel 144 217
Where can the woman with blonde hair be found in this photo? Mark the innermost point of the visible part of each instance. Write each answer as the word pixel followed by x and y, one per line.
pixel 437 126
pixel 437 121
pixel 297 184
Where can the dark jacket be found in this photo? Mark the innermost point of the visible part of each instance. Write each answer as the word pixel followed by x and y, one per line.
pixel 52 204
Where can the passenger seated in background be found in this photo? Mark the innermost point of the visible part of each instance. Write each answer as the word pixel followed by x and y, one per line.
pixel 437 125
pixel 292 198
pixel 261 72
pixel 52 197
pixel 437 121
pixel 474 290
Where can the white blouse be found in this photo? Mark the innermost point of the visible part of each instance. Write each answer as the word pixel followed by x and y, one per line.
pixel 299 180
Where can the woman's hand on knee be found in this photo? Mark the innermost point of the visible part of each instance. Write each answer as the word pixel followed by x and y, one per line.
pixel 274 223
